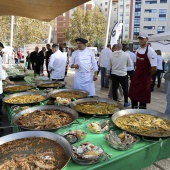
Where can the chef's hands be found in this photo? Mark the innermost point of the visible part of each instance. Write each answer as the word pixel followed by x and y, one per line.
pixel 76 66
pixel 95 77
pixel 9 82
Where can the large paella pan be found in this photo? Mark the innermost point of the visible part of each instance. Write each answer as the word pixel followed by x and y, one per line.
pixel 96 106
pixel 24 98
pixel 45 117
pixel 143 122
pixel 69 93
pixel 17 88
pixel 51 84
pixel 30 150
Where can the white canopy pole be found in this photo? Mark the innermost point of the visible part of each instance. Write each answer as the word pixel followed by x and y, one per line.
pixel 49 34
pixel 108 23
pixel 11 38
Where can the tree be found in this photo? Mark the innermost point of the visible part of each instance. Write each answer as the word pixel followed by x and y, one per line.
pixel 26 31
pixel 90 25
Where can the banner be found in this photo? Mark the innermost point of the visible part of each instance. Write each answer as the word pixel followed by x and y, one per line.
pixel 116 32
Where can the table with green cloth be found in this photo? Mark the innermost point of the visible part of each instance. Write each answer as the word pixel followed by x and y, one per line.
pixel 143 154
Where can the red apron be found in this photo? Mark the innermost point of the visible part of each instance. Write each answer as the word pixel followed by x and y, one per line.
pixel 140 86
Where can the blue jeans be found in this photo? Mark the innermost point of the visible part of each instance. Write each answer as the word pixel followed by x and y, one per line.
pixel 104 78
pixel 167 111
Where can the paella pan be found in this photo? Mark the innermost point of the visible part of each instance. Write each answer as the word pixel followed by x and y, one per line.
pixel 143 122
pixel 51 84
pixel 69 94
pixel 45 117
pixel 17 88
pixel 96 106
pixel 30 150
pixel 25 98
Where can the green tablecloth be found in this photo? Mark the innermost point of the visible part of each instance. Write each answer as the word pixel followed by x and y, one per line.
pixel 143 154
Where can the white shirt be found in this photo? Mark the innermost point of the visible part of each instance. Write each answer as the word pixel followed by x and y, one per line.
pixel 152 56
pixel 104 57
pixel 3 75
pixel 133 60
pixel 85 59
pixel 57 64
pixel 159 62
pixel 118 63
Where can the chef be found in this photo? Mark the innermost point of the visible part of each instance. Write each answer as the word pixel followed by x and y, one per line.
pixel 146 65
pixel 85 64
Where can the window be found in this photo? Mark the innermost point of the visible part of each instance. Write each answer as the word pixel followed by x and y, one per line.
pixel 150 10
pixel 127 6
pixel 149 27
pixel 115 9
pixel 105 3
pixel 162 19
pixel 121 6
pixel 127 13
pixel 161 28
pixel 137 13
pixel 137 5
pixel 149 19
pixel 151 2
pixel 126 28
pixel 162 11
pixel 136 29
pixel 163 1
pixel 101 4
pixel 136 21
pixel 105 9
pixel 126 21
pixel 121 13
pixel 126 36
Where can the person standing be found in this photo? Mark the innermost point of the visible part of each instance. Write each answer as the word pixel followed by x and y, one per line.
pixel 146 65
pixel 158 72
pixel 84 62
pixel 47 58
pixel 36 61
pixel 42 57
pixel 19 56
pixel 103 64
pixel 57 64
pixel 130 70
pixel 118 63
pixel 28 61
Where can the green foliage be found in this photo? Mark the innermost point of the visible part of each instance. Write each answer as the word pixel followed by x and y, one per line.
pixel 26 31
pixel 127 41
pixel 90 25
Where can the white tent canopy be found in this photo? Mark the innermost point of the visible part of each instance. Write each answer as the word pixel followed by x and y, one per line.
pixel 163 38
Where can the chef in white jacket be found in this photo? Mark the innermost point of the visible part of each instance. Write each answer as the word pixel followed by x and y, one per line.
pixel 85 64
pixel 57 64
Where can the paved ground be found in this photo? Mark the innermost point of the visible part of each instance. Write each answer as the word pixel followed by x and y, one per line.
pixel 158 103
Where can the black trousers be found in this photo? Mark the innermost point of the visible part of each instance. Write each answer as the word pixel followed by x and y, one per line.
pixel 123 81
pixel 47 70
pixel 58 79
pixel 136 105
pixel 130 74
pixel 158 76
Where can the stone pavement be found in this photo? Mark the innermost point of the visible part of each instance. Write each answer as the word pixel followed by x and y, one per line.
pixel 158 103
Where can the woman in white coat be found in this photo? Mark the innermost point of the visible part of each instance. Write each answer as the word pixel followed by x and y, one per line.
pixel 85 64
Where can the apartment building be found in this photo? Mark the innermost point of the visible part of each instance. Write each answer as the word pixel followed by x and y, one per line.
pixel 150 16
pixel 63 20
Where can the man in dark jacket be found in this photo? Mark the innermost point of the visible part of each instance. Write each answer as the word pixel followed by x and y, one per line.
pixel 36 61
pixel 47 57
pixel 42 57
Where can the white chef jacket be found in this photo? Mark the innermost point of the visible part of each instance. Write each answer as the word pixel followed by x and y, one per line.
pixel 3 75
pixel 104 57
pixel 133 59
pixel 57 64
pixel 152 56
pixel 84 75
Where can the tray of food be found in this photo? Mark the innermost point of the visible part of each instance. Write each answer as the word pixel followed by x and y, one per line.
pixel 51 84
pixel 143 122
pixel 96 106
